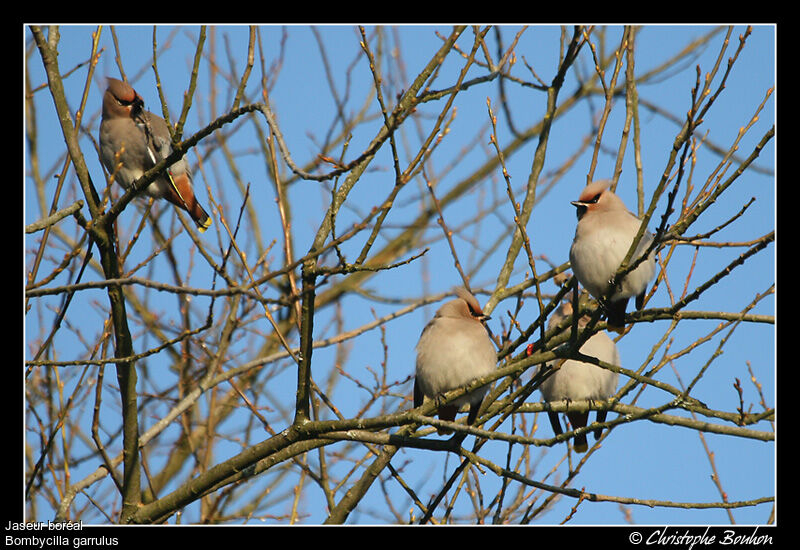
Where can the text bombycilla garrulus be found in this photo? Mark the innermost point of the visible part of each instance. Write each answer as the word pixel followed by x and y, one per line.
pixel 453 350
pixel 133 140
pixel 579 381
pixel 603 236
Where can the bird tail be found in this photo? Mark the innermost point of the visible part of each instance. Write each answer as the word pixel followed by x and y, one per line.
pixel 579 420
pixel 181 194
pixel 615 314
pixel 579 443
pixel 601 417
pixel 446 412
pixel 200 217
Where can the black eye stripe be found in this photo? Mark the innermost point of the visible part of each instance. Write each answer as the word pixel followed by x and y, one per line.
pixel 473 312
pixel 125 102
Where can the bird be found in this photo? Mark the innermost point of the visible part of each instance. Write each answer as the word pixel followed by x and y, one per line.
pixel 603 236
pixel 579 381
pixel 453 350
pixel 133 140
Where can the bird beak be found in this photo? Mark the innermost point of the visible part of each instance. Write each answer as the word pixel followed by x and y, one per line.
pixel 581 208
pixel 484 318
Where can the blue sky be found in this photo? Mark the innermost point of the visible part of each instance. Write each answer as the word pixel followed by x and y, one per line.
pixel 640 459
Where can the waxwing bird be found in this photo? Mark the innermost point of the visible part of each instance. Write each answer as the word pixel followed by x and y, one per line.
pixel 133 140
pixel 579 381
pixel 453 350
pixel 603 236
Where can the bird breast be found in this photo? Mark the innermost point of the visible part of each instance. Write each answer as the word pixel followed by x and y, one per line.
pixel 451 353
pixel 576 380
pixel 597 254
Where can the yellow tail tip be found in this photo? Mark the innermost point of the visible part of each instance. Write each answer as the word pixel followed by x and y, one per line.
pixel 205 224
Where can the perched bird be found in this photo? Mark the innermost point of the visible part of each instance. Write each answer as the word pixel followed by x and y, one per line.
pixel 133 140
pixel 453 350
pixel 603 236
pixel 579 381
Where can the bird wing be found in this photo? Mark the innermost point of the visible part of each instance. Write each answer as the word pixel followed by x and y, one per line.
pixel 159 148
